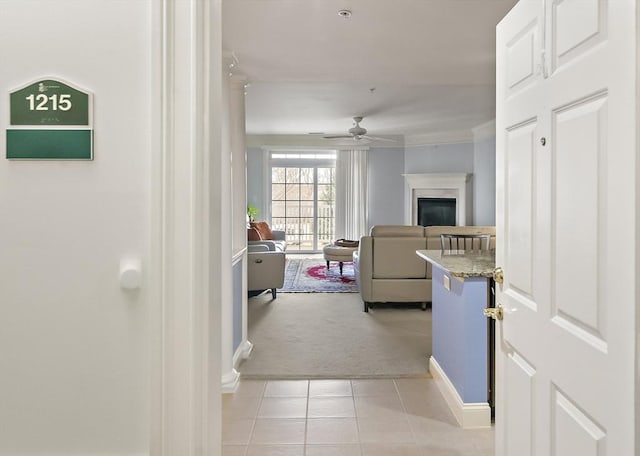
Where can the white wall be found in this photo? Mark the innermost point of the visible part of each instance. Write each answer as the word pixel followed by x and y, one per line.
pixel 484 175
pixel 441 158
pixel 255 179
pixel 386 186
pixel 74 346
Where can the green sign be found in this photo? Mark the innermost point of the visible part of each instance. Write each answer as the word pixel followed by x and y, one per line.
pixel 50 144
pixel 48 117
pixel 49 102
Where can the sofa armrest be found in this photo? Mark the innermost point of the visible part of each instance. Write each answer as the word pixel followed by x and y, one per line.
pixel 271 245
pixel 254 248
pixel 363 266
pixel 265 270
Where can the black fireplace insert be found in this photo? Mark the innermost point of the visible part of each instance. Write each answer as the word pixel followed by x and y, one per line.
pixel 437 211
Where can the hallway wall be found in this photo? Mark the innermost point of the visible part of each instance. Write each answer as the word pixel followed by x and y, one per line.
pixel 74 346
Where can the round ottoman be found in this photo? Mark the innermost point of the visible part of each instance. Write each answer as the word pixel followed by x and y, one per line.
pixel 337 253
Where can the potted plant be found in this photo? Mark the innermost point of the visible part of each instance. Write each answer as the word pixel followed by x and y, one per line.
pixel 252 212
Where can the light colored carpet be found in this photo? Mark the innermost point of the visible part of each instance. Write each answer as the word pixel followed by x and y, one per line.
pixel 327 335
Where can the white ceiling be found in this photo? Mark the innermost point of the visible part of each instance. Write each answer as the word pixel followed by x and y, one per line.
pixel 409 67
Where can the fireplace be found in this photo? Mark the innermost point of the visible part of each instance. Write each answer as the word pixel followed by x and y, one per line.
pixel 436 211
pixel 448 193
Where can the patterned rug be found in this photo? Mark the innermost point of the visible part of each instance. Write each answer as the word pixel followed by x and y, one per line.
pixel 305 275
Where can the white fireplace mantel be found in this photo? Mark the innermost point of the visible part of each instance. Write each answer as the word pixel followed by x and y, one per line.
pixel 439 185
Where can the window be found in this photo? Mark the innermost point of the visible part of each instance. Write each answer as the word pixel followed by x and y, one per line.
pixel 303 198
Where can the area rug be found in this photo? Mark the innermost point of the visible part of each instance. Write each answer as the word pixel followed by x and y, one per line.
pixel 310 275
pixel 327 335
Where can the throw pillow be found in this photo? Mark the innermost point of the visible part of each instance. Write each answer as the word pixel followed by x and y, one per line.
pixel 263 229
pixel 253 234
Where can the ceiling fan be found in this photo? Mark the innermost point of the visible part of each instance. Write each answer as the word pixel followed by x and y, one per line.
pixel 356 133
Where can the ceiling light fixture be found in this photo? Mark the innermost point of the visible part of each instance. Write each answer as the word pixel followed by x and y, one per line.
pixel 346 14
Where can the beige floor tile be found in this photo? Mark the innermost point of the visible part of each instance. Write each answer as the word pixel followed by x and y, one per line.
pixel 250 388
pixel 330 388
pixel 401 417
pixel 373 387
pixel 484 440
pixel 332 430
pixel 438 438
pixel 237 431
pixel 390 449
pixel 276 450
pixel 344 449
pixel 385 430
pixel 283 407
pixel 443 448
pixel 234 450
pixel 287 388
pixel 430 393
pixel 417 385
pixel 240 406
pixel 428 407
pixel 331 407
pixel 378 406
pixel 278 431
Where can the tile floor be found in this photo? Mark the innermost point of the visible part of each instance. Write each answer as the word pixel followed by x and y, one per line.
pixel 381 417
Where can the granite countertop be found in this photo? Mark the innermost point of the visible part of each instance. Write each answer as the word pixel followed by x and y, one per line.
pixel 462 263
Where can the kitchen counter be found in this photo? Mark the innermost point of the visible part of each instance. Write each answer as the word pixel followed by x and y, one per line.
pixel 462 264
pixel 460 361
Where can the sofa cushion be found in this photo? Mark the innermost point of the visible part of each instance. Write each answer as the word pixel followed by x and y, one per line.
pixel 396 258
pixel 264 230
pixel 397 231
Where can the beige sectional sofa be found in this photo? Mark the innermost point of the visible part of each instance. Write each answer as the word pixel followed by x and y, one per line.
pixel 386 265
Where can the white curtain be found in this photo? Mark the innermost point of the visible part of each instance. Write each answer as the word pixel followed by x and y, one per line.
pixel 351 194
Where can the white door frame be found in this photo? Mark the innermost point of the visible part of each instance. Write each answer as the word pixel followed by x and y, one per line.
pixel 185 312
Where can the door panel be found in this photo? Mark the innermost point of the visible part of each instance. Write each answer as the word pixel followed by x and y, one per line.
pixel 566 157
pixel 577 26
pixel 579 164
pixel 521 54
pixel 519 194
pixel 574 432
pixel 519 424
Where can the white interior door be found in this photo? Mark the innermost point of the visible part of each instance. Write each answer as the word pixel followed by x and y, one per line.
pixel 565 350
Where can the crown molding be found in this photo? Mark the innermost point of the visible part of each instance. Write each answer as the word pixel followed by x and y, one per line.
pixel 484 131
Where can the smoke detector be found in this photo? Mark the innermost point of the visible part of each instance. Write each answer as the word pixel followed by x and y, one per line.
pixel 346 14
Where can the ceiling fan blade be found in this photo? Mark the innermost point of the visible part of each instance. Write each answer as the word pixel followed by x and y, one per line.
pixel 338 137
pixel 377 138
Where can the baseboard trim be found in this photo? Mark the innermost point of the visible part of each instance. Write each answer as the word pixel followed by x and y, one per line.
pixel 242 352
pixel 469 415
pixel 230 382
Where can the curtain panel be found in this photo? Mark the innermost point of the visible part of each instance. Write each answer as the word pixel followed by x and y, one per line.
pixel 351 194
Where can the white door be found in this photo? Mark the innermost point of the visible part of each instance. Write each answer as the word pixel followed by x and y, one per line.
pixel 565 350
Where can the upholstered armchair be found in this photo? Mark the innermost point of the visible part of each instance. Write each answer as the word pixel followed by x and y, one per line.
pixel 265 269
pixel 259 233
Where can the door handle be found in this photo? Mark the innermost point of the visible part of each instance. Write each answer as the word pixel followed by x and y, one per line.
pixel 498 275
pixel 494 312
